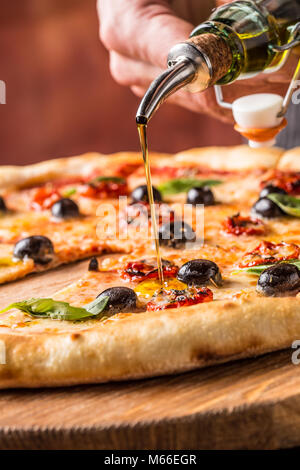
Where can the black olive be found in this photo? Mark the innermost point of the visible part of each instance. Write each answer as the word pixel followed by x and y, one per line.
pixel 199 272
pixel 3 207
pixel 202 195
pixel 264 207
pixel 270 189
pixel 141 194
pixel 121 299
pixel 93 265
pixel 279 280
pixel 65 209
pixel 37 247
pixel 296 184
pixel 176 234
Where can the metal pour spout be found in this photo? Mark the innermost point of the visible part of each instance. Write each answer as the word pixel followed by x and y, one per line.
pixel 163 86
pixel 186 66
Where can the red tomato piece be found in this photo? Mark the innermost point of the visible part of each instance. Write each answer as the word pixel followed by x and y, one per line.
pixel 103 189
pixel 268 252
pixel 175 299
pixel 239 225
pixel 44 197
pixel 144 269
pixel 289 181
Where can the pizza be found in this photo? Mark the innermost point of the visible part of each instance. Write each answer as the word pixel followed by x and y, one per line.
pixel 49 209
pixel 229 235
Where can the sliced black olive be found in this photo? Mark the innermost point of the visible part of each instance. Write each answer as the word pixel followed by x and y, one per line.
pixel 121 299
pixel 141 194
pixel 271 188
pixel 176 234
pixel 202 195
pixel 3 207
pixel 93 265
pixel 37 247
pixel 264 207
pixel 65 209
pixel 199 272
pixel 279 280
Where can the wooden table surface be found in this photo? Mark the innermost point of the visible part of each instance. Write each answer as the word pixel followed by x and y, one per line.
pixel 253 403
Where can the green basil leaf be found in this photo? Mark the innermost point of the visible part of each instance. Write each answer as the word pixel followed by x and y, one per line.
pixel 183 185
pixel 97 306
pixel 112 179
pixel 289 204
pixel 70 192
pixel 257 270
pixel 56 310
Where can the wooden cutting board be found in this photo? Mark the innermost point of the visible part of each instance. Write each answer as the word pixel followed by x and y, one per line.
pixel 252 404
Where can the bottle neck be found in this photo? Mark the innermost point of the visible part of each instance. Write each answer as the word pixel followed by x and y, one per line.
pixel 178 75
pixel 195 64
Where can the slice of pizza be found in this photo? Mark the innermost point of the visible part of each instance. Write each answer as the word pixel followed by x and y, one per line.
pixel 69 206
pixel 48 210
pixel 47 243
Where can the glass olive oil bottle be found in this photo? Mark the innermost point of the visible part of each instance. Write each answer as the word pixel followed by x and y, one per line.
pixel 251 28
pixel 239 40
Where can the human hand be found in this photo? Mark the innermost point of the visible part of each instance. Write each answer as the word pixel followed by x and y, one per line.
pixel 139 35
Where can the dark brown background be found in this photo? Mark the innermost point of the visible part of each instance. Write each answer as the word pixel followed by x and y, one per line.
pixel 61 99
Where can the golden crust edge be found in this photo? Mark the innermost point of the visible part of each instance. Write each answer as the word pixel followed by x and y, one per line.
pixel 222 158
pixel 151 344
pixel 49 169
pixel 290 160
pixel 233 158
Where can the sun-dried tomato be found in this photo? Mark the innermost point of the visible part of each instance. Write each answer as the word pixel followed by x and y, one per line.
pixel 174 298
pixel 240 225
pixel 269 252
pixel 289 181
pixel 103 189
pixel 144 269
pixel 44 197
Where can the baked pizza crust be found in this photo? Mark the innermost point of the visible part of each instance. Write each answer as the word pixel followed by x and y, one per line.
pixel 218 158
pixel 19 176
pixel 290 160
pixel 150 344
pixel 237 158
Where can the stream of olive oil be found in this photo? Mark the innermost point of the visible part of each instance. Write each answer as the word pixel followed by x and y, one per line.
pixel 142 130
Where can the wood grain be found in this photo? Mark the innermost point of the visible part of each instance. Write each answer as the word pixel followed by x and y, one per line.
pixel 42 284
pixel 251 404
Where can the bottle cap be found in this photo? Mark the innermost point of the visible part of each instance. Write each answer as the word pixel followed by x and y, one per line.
pixel 257 118
pixel 258 111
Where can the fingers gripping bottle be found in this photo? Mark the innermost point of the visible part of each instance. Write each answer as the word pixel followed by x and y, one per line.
pixel 239 40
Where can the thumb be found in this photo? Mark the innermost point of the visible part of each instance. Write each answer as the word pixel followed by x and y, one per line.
pixel 144 30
